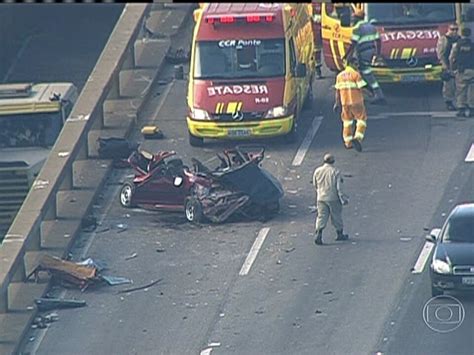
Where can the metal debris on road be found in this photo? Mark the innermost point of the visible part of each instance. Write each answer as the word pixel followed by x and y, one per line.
pixel 290 250
pixel 160 250
pixel 122 227
pixel 140 287
pixel 327 292
pixel 46 304
pixel 116 280
pixel 132 256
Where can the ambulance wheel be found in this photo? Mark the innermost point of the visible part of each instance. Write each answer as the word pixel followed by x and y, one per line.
pixel 195 141
pixel 292 136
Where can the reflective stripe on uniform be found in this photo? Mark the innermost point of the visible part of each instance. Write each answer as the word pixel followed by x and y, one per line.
pixel 361 84
pixel 368 38
pixel 348 123
pixel 367 70
pixel 359 136
pixel 347 139
pixel 346 85
pixel 362 123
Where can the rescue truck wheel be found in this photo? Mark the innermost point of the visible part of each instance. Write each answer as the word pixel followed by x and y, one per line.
pixel 308 102
pixel 126 194
pixel 193 210
pixel 195 141
pixel 292 136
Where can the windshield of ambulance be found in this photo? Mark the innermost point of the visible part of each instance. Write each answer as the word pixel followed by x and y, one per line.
pixel 233 58
pixel 410 13
pixel 29 130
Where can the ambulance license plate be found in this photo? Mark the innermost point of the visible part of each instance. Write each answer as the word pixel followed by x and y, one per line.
pixel 412 78
pixel 239 132
pixel 469 280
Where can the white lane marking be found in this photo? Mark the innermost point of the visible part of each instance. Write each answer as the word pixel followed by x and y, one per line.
pixel 307 141
pixel 206 351
pixel 17 58
pixel 470 154
pixel 257 244
pixel 423 258
pixel 433 114
pixel 42 332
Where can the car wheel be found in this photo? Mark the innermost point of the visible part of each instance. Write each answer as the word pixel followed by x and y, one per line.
pixel 126 195
pixel 272 209
pixel 436 291
pixel 193 210
pixel 195 141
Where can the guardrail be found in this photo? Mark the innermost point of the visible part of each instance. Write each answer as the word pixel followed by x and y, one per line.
pixel 41 224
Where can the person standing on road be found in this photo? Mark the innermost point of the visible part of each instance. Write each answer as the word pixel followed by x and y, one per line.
pixel 462 62
pixel 443 50
pixel 327 182
pixel 350 100
pixel 367 44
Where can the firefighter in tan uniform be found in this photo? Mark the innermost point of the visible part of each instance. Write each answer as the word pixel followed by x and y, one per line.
pixel 349 96
pixel 462 62
pixel 443 50
pixel 327 182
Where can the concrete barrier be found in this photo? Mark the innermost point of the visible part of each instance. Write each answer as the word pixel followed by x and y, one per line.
pixel 72 177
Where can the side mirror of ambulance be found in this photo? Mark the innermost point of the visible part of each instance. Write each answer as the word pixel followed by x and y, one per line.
pixel 300 70
pixel 196 14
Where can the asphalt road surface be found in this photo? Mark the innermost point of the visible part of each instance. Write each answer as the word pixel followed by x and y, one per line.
pixel 354 297
pixel 54 42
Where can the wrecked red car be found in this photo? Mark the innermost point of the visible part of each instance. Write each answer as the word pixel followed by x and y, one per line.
pixel 238 185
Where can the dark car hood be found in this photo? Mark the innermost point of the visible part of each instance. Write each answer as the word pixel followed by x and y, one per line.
pixel 458 253
pixel 256 182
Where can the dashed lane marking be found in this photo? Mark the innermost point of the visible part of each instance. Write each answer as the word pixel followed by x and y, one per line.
pixel 257 244
pixel 303 149
pixel 470 155
pixel 423 258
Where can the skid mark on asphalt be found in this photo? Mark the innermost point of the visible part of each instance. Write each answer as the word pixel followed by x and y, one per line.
pixel 303 149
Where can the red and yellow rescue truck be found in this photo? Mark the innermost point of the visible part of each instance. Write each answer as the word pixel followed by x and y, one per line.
pixel 409 33
pixel 251 70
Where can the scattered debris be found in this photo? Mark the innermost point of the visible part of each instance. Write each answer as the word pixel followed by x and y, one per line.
pixel 46 304
pixel 405 239
pixel 102 230
pixel 93 263
pixel 318 311
pixel 79 275
pixel 89 223
pixel 152 132
pixel 116 280
pixel 278 262
pixel 122 227
pixel 160 250
pixel 290 250
pixel 178 56
pixel 327 292
pixel 132 256
pixel 140 287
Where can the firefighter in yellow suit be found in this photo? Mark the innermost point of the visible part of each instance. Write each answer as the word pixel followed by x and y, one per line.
pixel 350 99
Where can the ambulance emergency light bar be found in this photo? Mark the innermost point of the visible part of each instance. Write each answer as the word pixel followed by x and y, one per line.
pixel 233 19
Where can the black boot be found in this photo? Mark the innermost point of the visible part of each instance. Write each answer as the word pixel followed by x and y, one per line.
pixel 341 235
pixel 450 106
pixel 319 75
pixel 461 112
pixel 319 238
